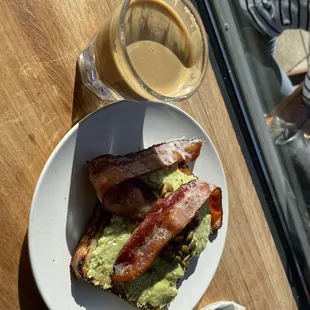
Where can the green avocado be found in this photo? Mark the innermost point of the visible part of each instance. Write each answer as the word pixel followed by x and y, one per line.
pixel 171 175
pixel 156 286
pixel 202 231
pixel 102 259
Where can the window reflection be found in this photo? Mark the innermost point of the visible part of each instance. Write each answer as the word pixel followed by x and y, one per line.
pixel 260 50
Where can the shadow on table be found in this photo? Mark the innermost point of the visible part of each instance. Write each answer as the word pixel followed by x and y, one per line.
pixel 29 296
pixel 117 131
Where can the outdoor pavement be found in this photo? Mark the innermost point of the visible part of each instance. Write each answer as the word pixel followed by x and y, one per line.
pixel 292 52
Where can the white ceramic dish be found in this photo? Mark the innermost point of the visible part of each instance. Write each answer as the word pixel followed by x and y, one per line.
pixel 64 199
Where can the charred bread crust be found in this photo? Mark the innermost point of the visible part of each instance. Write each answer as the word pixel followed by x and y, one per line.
pixel 88 242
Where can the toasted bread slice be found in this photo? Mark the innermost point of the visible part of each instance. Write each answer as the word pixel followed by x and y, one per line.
pixel 87 244
pixel 99 220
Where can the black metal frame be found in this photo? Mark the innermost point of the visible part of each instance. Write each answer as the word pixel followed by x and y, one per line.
pixel 250 149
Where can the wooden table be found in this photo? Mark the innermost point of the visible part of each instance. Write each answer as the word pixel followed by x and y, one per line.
pixel 40 99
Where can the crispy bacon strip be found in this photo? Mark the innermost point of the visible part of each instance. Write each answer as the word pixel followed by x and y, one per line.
pixel 108 170
pixel 167 218
pixel 130 198
pixel 216 210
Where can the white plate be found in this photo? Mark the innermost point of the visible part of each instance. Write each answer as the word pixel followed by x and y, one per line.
pixel 64 199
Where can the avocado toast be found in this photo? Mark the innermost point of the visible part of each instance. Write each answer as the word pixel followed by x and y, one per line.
pixel 151 282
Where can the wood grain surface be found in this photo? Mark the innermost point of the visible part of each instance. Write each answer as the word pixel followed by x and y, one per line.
pixel 41 97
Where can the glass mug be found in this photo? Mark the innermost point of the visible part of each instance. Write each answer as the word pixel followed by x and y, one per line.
pixel 148 50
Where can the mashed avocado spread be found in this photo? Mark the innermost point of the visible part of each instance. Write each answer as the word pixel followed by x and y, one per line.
pixel 112 239
pixel 171 174
pixel 203 230
pixel 156 286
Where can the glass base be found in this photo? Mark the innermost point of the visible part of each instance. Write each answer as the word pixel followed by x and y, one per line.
pixel 89 75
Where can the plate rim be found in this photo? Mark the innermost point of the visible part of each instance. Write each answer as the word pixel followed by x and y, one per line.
pixel 64 139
